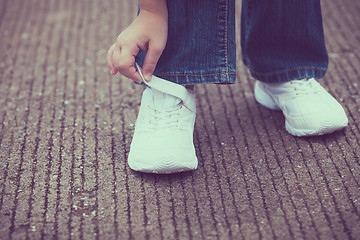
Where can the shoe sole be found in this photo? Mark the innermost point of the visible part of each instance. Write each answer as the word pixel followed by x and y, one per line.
pixel 162 166
pixel 264 99
pixel 325 128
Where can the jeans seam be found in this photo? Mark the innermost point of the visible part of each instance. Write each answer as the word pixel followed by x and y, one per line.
pixel 197 75
pixel 286 71
pixel 226 38
pixel 245 16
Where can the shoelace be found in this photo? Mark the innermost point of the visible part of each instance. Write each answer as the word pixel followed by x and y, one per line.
pixel 170 88
pixel 302 87
pixel 163 119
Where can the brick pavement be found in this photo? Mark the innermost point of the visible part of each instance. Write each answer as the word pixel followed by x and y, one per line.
pixel 66 126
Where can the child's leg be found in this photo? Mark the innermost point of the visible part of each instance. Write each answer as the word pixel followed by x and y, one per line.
pixel 283 40
pixel 283 46
pixel 200 48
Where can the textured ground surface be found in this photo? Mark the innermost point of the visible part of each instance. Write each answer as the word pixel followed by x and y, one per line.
pixel 66 126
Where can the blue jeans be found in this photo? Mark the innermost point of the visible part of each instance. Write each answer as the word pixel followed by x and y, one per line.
pixel 281 40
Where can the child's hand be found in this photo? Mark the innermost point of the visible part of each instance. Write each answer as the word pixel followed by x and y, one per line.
pixel 147 32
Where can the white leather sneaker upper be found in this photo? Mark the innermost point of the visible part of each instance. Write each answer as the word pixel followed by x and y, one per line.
pixel 308 108
pixel 163 137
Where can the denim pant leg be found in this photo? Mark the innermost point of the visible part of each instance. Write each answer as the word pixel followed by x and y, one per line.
pixel 283 40
pixel 201 45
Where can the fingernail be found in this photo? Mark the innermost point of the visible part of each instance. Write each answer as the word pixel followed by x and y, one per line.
pixel 148 77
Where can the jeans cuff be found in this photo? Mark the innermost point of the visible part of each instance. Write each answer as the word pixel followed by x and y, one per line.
pixel 289 75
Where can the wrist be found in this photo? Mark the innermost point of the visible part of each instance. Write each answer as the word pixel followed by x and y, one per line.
pixel 157 7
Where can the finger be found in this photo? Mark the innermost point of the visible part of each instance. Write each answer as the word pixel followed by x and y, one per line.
pixel 131 73
pixel 110 59
pixel 124 57
pixel 151 58
pixel 124 61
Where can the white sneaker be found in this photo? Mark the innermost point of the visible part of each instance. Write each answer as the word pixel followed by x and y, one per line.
pixel 308 108
pixel 163 137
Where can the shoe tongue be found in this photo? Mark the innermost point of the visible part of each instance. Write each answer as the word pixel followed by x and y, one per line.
pixel 164 101
pixel 301 81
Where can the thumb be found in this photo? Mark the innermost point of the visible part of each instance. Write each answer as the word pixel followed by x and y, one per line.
pixel 151 58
